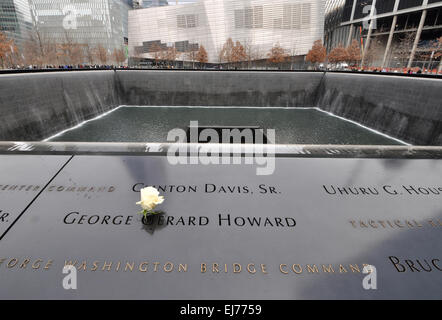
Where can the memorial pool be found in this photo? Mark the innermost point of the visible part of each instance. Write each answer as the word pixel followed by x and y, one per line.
pixel 292 125
pixel 75 203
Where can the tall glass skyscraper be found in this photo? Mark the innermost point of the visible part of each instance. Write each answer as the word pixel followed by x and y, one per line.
pixel 334 34
pixel 140 4
pixel 92 22
pixel 15 19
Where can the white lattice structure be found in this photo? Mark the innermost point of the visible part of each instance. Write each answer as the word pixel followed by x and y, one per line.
pixel 257 24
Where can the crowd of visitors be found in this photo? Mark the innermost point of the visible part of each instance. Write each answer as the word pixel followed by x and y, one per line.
pixel 415 70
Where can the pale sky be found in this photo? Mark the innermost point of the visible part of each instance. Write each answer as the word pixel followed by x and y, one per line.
pixel 173 2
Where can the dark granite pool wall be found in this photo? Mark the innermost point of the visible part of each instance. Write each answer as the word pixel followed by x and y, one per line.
pixel 407 108
pixel 34 106
pixel 181 88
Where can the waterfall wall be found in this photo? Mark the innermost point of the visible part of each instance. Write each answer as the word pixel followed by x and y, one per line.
pixel 408 108
pixel 34 106
pixel 227 88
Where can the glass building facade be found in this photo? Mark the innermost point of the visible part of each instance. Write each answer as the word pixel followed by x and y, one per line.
pixel 92 22
pixel 140 4
pixel 391 38
pixel 257 24
pixel 15 19
pixel 334 34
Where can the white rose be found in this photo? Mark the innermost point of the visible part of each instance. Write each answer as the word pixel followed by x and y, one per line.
pixel 150 198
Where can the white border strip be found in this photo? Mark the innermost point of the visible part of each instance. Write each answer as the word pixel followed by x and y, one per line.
pixel 362 126
pixel 227 107
pixel 221 107
pixel 177 107
pixel 80 124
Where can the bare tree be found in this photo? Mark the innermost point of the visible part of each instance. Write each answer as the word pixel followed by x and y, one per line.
pixel 191 56
pixel 249 50
pixel 374 54
pixel 338 54
pixel 33 51
pixel 40 49
pixel 119 56
pixel 438 53
pixel 226 53
pixel 403 47
pixel 317 53
pixel 239 53
pixel 7 49
pixel 232 52
pixel 437 45
pixel 101 54
pixel 76 54
pixel 50 52
pixel 157 52
pixel 202 56
pixel 252 53
pixel 171 54
pixel 89 53
pixel 14 57
pixel 63 53
pixel 277 54
pixel 69 52
pixel 354 53
pixel 433 52
pixel 258 54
